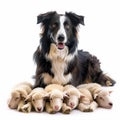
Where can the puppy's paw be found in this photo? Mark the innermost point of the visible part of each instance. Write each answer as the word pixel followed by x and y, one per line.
pixel 26 108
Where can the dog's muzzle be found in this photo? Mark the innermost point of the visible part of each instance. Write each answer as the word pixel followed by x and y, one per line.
pixel 60 41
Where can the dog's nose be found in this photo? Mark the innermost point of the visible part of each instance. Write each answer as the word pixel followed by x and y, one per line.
pixel 61 37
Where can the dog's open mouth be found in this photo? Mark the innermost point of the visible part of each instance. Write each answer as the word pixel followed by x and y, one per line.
pixel 60 45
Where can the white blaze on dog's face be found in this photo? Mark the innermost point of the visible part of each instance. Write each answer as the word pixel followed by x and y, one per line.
pixel 60 30
pixel 61 36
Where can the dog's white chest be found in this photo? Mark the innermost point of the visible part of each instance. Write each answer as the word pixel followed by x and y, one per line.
pixel 59 65
pixel 58 68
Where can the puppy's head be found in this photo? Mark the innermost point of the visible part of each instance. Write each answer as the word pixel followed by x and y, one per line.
pixel 14 100
pixel 60 29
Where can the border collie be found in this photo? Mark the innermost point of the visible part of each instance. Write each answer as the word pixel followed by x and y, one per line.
pixel 57 57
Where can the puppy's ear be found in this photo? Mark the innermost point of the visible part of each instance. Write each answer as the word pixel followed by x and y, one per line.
pixel 44 17
pixel 110 92
pixel 65 95
pixel 28 98
pixel 23 93
pixel 82 96
pixel 75 19
pixel 47 95
pixel 95 96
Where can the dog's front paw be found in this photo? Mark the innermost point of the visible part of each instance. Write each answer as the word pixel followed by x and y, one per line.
pixel 110 82
pixel 106 80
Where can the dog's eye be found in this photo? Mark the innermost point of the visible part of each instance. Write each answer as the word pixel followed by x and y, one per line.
pixel 54 25
pixel 67 26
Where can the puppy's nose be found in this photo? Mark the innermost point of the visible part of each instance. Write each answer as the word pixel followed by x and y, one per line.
pixel 39 109
pixel 56 107
pixel 61 38
pixel 111 104
pixel 72 105
pixel 9 106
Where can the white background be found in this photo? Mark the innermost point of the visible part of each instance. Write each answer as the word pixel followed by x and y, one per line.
pixel 19 38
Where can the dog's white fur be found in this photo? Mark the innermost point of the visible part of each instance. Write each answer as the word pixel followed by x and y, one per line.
pixel 61 30
pixel 59 65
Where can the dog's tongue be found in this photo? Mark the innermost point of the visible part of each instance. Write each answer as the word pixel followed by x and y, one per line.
pixel 60 45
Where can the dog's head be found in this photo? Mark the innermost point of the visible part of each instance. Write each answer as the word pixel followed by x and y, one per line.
pixel 60 29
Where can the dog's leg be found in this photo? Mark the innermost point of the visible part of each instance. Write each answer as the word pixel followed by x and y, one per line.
pixel 106 80
pixel 96 74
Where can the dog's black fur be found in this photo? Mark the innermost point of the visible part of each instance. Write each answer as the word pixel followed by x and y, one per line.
pixel 82 66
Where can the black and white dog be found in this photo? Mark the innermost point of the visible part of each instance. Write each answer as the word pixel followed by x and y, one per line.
pixel 57 57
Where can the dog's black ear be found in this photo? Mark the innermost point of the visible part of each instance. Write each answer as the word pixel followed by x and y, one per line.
pixel 44 17
pixel 75 19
